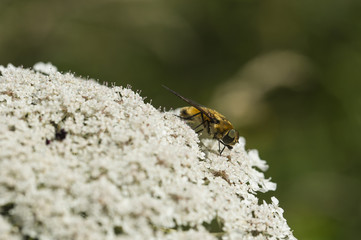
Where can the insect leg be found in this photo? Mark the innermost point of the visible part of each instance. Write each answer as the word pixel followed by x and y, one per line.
pixel 199 130
pixel 219 148
pixel 190 117
pixel 202 123
pixel 209 128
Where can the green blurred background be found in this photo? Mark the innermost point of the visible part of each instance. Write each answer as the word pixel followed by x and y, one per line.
pixel 286 73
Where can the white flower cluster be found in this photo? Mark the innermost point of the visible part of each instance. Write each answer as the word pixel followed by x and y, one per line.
pixel 80 160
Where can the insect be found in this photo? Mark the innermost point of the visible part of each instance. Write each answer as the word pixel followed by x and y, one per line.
pixel 208 123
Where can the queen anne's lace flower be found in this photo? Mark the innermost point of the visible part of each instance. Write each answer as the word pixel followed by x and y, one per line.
pixel 79 160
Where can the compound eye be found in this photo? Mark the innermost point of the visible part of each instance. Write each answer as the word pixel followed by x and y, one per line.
pixel 229 137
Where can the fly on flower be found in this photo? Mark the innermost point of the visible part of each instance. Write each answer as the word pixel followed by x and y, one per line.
pixel 208 123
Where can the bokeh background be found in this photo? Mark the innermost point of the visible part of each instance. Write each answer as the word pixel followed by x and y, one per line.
pixel 287 73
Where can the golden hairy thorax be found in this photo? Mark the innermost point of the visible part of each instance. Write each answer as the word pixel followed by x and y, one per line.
pixel 208 123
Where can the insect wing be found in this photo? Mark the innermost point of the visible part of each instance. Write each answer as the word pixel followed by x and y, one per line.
pixel 194 104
